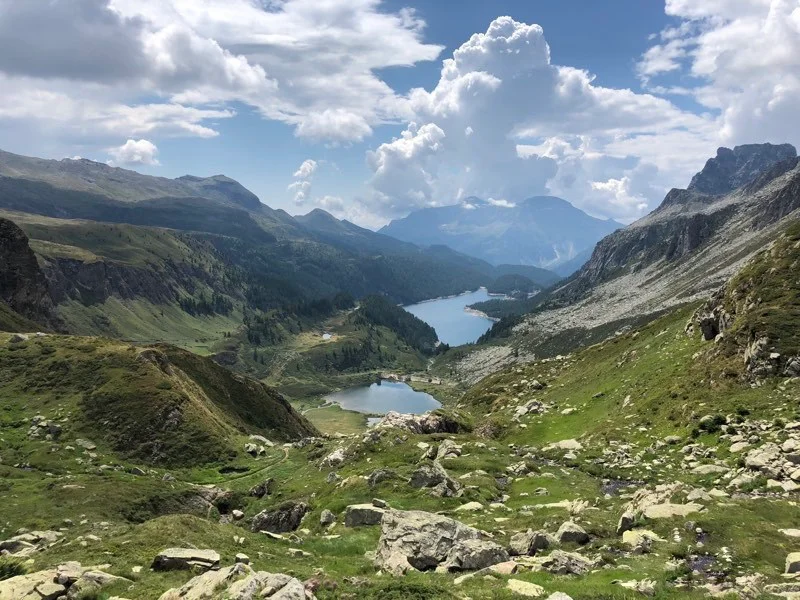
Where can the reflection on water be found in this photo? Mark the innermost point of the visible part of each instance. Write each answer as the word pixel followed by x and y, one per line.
pixel 382 398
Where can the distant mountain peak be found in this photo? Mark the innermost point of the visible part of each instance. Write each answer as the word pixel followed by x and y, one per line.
pixel 541 231
pixel 731 169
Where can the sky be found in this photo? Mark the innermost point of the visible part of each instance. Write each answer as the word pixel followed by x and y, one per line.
pixel 371 109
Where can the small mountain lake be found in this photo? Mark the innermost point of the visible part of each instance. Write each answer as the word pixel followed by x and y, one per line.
pixel 451 321
pixel 384 397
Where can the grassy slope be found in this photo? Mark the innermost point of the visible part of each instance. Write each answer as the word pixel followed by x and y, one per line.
pixel 156 405
pixel 14 322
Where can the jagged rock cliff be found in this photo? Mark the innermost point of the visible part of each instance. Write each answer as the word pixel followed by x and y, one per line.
pixel 22 284
pixel 685 249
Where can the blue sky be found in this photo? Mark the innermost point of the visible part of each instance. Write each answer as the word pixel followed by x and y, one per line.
pixel 608 105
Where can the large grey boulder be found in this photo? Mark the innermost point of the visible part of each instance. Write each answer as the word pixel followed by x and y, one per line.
pixel 283 519
pixel 173 559
pixel 570 533
pixel 472 555
pixel 418 540
pixel 240 582
pixel 529 542
pixel 262 489
pixel 559 562
pixel 435 476
pixel 360 515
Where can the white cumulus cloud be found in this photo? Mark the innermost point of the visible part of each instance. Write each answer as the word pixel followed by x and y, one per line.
pixel 134 152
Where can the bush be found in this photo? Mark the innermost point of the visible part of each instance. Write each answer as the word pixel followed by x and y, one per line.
pixel 11 567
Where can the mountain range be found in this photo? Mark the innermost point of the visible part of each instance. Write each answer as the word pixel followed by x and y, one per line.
pixel 543 231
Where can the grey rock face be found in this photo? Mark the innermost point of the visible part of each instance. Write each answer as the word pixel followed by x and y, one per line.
pixel 174 559
pixel 284 519
pixel 530 542
pixel 732 169
pixel 418 540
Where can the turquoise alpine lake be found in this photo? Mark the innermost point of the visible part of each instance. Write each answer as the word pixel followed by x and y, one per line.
pixel 449 317
pixel 384 397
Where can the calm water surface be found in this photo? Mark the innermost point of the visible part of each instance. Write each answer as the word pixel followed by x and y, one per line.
pixel 447 316
pixel 383 398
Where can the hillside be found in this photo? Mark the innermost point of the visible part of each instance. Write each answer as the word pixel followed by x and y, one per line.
pixel 543 232
pixel 156 405
pixel 648 465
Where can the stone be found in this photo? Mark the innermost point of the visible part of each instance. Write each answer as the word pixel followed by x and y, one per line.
pixel 645 587
pixel 91 581
pixel 470 507
pixel 237 514
pixel 173 559
pixel 361 515
pixel 474 554
pixel 50 590
pixel 379 476
pixel 766 459
pixel 242 559
pixel 68 573
pixel 283 519
pixel 709 470
pixel 668 510
pixel 637 538
pixel 525 588
pixel 327 518
pixel 24 586
pixel 626 522
pixel 559 596
pixel 262 489
pixel 418 540
pixel 448 449
pixel 559 562
pixel 737 447
pixel 18 338
pixel 530 542
pixel 573 445
pixel 335 458
pixel 793 563
pixel 420 424
pixel 570 533
pixel 240 582
pixel 435 476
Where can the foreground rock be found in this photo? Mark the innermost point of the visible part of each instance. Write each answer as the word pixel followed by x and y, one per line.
pixel 240 582
pixel 559 562
pixel 424 541
pixel 284 519
pixel 183 559
pixel 361 515
pixel 68 581
pixel 426 424
pixel 530 542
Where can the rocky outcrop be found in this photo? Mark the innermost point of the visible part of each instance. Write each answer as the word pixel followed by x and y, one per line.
pixel 420 424
pixel 424 541
pixel 732 169
pixel 66 582
pixel 184 559
pixel 23 286
pixel 284 519
pixel 242 582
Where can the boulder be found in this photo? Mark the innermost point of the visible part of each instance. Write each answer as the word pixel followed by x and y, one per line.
pixel 626 522
pixel 240 582
pixel 173 559
pixel 571 445
pixel 92 581
pixel 570 533
pixel 283 519
pixel 418 540
pixel 525 588
pixel 421 424
pixel 559 562
pixel 709 470
pixel 335 458
pixel 668 510
pixel 435 476
pixel 379 476
pixel 262 489
pixel 360 515
pixel 448 449
pixel 24 586
pixel 530 542
pixel 793 563
pixel 327 518
pixel 767 459
pixel 472 555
